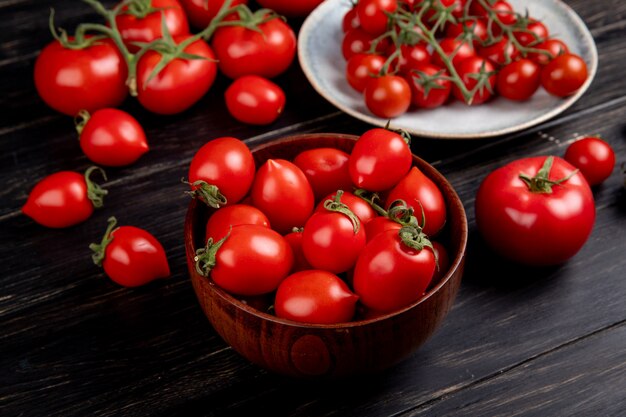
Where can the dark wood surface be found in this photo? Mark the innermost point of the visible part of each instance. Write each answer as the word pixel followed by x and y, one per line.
pixel 518 341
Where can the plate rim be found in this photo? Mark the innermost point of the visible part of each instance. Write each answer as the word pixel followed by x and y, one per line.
pixel 327 6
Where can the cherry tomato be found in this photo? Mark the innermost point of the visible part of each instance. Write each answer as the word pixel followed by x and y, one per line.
pixel 593 157
pixel 527 219
pixel 564 75
pixel 326 169
pixel 64 199
pixel 428 92
pixel 420 192
pixel 519 80
pixel 379 225
pixel 180 84
pixel 350 20
pixel 333 240
pixel 390 275
pixel 111 137
pixel 534 33
pixel 372 15
pixel 146 27
pixel 201 12
pixel 356 41
pixel 411 57
pixel 387 96
pixel 475 26
pixel 70 80
pixel 299 260
pixel 357 205
pixel 290 8
pixel 282 192
pixel 130 256
pixel 226 164
pixel 222 220
pixel 467 70
pixel 553 46
pixel 361 68
pixel 501 52
pixel 503 10
pixel 243 51
pixel 463 50
pixel 316 297
pixel 252 260
pixel 255 100
pixel 380 158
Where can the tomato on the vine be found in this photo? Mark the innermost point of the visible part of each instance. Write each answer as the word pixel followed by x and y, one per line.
pixel 502 9
pixel 363 67
pixel 201 12
pixel 554 47
pixel 290 8
pixel 255 100
pixel 564 75
pixel 455 48
pixel 387 96
pixel 476 27
pixel 468 70
pixel 350 20
pixel 519 80
pixel 357 41
pixel 410 58
pixel 593 157
pixel 221 221
pixel 500 52
pixel 111 137
pixel 429 86
pixel 372 15
pixel 536 211
pixel 326 169
pixel 534 33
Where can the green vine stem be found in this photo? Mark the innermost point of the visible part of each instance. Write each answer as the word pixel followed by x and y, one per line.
pixel 541 183
pixel 372 199
pixel 99 248
pixel 80 120
pixel 414 238
pixel 208 193
pixel 205 258
pixel 95 192
pixel 335 205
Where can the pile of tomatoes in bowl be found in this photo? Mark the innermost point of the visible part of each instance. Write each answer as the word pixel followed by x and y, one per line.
pixel 424 53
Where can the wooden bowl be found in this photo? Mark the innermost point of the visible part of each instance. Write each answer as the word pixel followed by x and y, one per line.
pixel 306 350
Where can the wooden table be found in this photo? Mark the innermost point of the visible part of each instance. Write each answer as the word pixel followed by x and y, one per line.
pixel 518 341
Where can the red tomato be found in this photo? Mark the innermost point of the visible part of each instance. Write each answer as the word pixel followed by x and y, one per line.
pixel 372 15
pixel 361 68
pixel 180 84
pixel 357 205
pixel 534 33
pixel 299 260
pixel 428 92
pixel 379 159
pixel 443 263
pixel 267 53
pixel 390 275
pixel 467 71
pixel 146 27
pixel 553 46
pixel 475 26
pixel 501 52
pixel 316 297
pixel 593 157
pixel 333 240
pixel 503 10
pixel 356 41
pixel 379 225
pixel 252 260
pixel 519 80
pixel 463 50
pixel 290 8
pixel 538 223
pixel 255 100
pixel 64 199
pixel 227 167
pixel 222 220
pixel 350 20
pixel 387 96
pixel 130 256
pixel 411 57
pixel 326 169
pixel 564 75
pixel 420 192
pixel 282 192
pixel 201 12
pixel 111 137
pixel 70 80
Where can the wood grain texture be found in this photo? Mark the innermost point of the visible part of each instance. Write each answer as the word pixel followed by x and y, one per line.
pixel 73 343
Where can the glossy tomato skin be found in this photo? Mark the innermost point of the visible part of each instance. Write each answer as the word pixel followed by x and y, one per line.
pixel 226 163
pixel 555 47
pixel 253 260
pixel 148 28
pixel 242 51
pixel 411 57
pixel 463 50
pixel 255 100
pixel 380 158
pixel 420 192
pixel 443 263
pixel 372 15
pixel 316 297
pixel 291 8
pixel 519 80
pixel 535 228
pixel 564 75
pixel 379 225
pixel 299 260
pixel 87 79
pixel 180 84
pixel 221 221
pixel 326 169
pixel 113 138
pixel 282 192
pixel 201 12
pixel 59 200
pixel 593 157
pixel 500 52
pixel 387 96
pixel 503 9
pixel 361 68
pixel 436 97
pixel 466 69
pixel 134 257
pixel 357 41
pixel 357 205
pixel 476 26
pixel 389 275
pixel 350 20
pixel 535 33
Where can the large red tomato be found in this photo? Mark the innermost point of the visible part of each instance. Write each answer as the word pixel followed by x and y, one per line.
pixel 70 80
pixel 201 12
pixel 326 169
pixel 536 211
pixel 222 220
pixel 291 8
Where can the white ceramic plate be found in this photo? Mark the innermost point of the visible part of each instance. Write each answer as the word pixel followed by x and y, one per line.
pixel 319 51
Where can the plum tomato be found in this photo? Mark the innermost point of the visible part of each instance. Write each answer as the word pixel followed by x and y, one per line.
pixel 468 70
pixel 593 157
pixel 255 100
pixel 379 225
pixel 387 96
pixel 372 15
pixel 443 263
pixel 564 75
pixel 221 221
pixel 361 68
pixel 519 80
pixel 429 87
pixel 326 169
pixel 357 205
pixel 299 260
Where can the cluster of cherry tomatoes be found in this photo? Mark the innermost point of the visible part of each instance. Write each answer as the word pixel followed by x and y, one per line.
pixel 326 234
pixel 423 52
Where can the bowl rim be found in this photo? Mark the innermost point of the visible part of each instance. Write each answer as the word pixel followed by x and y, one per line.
pixel 454 265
